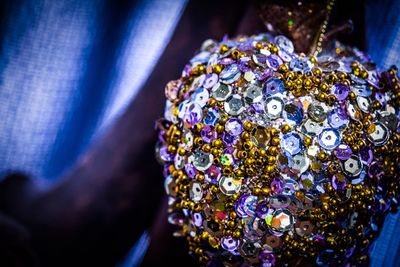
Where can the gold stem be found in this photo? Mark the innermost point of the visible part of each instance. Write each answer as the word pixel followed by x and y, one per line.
pixel 317 45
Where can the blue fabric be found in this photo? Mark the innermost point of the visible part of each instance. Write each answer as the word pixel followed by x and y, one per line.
pixel 383 40
pixel 69 68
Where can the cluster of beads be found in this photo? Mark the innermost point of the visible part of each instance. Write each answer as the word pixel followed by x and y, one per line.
pixel 272 158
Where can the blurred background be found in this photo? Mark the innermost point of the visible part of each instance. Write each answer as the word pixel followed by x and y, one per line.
pixel 69 69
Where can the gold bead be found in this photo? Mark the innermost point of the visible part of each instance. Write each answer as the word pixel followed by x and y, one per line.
pixel 248 126
pixel 307 141
pixel 322 156
pixel 237 234
pixel 269 169
pixel 275 141
pixel 352 95
pixel 223 49
pixel 256 190
pixel 285 128
pixel 217 68
pixel 274 49
pixel 247 145
pixel 219 128
pixel 223 118
pixel 235 54
pixel 289 75
pixel 245 135
pixel 283 68
pixel 242 154
pixel 324 87
pixel 171 149
pixel 212 102
pixel 231 224
pixel 258 45
pixel 181 151
pixel 321 96
pixel 198 141
pixel 307 83
pixel 206 148
pixel 216 143
pixel 266 191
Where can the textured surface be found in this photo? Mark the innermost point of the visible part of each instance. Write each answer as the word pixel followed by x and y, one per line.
pixel 66 70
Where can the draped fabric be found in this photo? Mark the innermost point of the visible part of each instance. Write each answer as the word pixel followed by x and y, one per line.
pixel 69 68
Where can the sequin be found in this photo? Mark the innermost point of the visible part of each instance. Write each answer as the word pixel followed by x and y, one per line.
pixel 329 138
pixel 210 80
pixel 273 107
pixel 304 228
pixel 366 155
pixel 340 90
pixel 361 90
pixel 221 91
pixel 249 205
pixel 260 59
pixel 272 243
pixel 300 164
pixel 300 64
pixel 317 112
pixel 190 170
pixel 171 90
pixel 262 209
pixel 208 134
pixel 337 119
pixel 291 143
pixel 212 117
pixel 293 114
pixel 179 162
pixel 282 220
pixel 352 166
pixel 343 152
pixel 187 140
pixel 363 103
pixel 267 258
pixel 227 158
pixel 196 192
pixel 328 65
pixel 234 105
pixel 388 119
pixel 164 155
pixel 253 94
pixel 380 135
pixel 229 243
pixel 230 74
pixel 279 201
pixel 273 86
pixel 312 128
pixel 260 136
pixel 339 181
pixel 200 96
pixel 285 56
pixel 274 62
pixel 169 185
pixel 193 115
pixel 197 219
pixel 202 161
pixel 229 186
pixel 284 43
pixel 212 174
pixel 233 127
pixel 248 249
pixel 197 82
